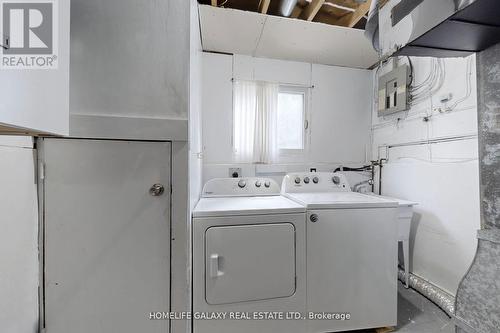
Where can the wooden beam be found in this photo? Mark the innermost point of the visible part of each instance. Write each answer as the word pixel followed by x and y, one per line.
pixel 311 10
pixel 214 3
pixel 350 20
pixel 296 12
pixel 264 6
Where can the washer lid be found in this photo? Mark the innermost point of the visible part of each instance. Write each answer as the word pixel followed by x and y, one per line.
pixel 325 200
pixel 230 206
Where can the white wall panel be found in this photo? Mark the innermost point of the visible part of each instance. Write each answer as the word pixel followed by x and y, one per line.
pixel 291 72
pixel 195 104
pixel 443 233
pixel 217 113
pixel 339 110
pixel 18 240
pixel 129 60
pixel 442 177
pixel 340 121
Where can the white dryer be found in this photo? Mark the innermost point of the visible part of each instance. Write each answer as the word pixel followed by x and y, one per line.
pixel 248 258
pixel 351 253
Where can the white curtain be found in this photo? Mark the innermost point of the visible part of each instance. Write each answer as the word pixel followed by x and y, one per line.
pixel 255 122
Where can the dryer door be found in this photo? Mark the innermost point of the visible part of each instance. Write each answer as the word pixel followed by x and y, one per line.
pixel 249 263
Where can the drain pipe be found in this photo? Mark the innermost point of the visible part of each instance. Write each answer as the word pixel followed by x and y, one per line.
pixel 380 164
pixel 435 294
pixel 286 7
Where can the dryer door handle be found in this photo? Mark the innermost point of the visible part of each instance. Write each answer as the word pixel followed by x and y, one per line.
pixel 214 263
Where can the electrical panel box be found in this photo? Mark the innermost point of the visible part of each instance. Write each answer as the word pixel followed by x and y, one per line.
pixel 393 91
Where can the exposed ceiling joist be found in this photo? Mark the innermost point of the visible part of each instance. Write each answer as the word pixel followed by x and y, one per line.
pixel 264 6
pixel 350 20
pixel 296 12
pixel 348 13
pixel 345 3
pixel 311 10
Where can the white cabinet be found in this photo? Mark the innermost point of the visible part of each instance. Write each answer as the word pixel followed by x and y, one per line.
pixel 34 67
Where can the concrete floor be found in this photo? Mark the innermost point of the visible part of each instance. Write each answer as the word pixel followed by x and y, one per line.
pixel 416 314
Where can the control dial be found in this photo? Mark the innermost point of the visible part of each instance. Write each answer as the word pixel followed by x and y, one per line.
pixel 315 180
pixel 242 183
pixel 267 183
pixel 306 180
pixel 258 183
pixel 336 180
pixel 297 180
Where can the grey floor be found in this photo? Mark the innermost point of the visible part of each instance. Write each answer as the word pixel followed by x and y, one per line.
pixel 416 314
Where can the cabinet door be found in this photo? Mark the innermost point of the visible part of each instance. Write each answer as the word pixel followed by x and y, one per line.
pixel 34 66
pixel 107 237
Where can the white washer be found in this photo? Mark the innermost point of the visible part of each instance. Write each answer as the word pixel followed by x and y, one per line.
pixel 248 257
pixel 351 252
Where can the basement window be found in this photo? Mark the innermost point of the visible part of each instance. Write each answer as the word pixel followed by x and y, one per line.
pixel 291 119
pixel 269 121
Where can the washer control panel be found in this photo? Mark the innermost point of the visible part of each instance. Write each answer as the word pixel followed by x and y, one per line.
pixel 315 182
pixel 249 186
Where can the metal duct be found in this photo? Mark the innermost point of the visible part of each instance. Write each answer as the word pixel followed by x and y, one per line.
pixel 438 296
pixel 287 6
pixel 371 28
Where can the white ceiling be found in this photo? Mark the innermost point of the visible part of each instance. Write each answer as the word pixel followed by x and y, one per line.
pixel 242 32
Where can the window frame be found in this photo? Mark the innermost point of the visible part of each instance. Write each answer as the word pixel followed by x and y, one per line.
pixel 305 91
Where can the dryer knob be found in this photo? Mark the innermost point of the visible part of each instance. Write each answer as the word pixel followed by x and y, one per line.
pixel 297 180
pixel 267 183
pixel 258 183
pixel 315 180
pixel 242 183
pixel 314 218
pixel 336 180
pixel 306 180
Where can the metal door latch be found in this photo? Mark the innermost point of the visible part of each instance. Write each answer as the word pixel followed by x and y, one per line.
pixel 156 190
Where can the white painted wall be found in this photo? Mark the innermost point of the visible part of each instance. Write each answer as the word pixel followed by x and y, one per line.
pixel 129 69
pixel 443 177
pixel 195 126
pixel 339 113
pixel 19 236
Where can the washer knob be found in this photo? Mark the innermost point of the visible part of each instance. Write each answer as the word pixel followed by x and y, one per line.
pixel 315 180
pixel 297 180
pixel 306 180
pixel 258 183
pixel 314 218
pixel 336 180
pixel 267 183
pixel 242 183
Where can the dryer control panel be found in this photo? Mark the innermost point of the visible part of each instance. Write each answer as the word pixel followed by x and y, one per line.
pixel 240 187
pixel 307 182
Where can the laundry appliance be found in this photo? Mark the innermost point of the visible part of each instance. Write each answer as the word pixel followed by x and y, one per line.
pixel 248 258
pixel 351 248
